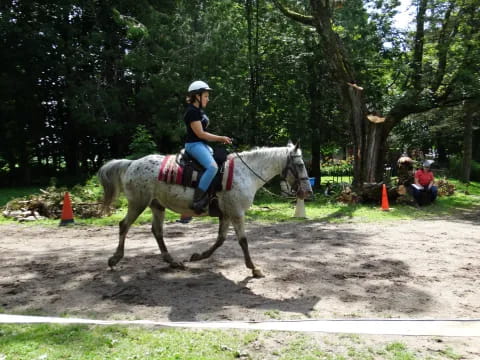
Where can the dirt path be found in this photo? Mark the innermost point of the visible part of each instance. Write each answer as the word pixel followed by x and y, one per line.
pixel 406 269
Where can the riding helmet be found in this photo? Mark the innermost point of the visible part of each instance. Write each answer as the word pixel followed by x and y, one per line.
pixel 198 86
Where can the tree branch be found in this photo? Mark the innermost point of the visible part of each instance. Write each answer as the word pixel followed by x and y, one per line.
pixel 418 44
pixel 304 19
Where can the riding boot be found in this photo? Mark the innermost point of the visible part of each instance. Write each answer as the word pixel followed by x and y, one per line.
pixel 200 201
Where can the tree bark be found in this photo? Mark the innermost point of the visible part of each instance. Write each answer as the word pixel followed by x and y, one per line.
pixel 467 141
pixel 315 124
pixel 252 30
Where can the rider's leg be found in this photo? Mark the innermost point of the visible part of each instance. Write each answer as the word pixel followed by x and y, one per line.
pixel 203 154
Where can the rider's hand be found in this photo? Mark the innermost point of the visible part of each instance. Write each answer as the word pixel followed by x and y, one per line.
pixel 226 140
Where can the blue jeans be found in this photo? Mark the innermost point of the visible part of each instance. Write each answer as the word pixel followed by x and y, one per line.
pixel 204 155
pixel 417 194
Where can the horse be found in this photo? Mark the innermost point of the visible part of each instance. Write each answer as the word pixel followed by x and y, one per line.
pixel 138 179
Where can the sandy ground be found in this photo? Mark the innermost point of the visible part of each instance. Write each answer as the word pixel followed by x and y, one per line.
pixel 405 269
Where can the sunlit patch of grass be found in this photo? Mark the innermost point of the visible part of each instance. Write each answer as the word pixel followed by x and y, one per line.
pixel 269 207
pixel 116 342
pixel 53 341
pixel 273 314
pixel 450 353
pixel 399 351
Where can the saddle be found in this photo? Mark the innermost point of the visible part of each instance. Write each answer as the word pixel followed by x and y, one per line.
pixel 184 169
pixel 191 165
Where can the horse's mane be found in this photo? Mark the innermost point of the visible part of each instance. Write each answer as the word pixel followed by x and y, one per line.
pixel 268 152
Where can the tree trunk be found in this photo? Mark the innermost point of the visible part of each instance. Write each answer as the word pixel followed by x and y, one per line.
pixel 253 70
pixel 314 98
pixel 467 142
pixel 368 137
pixel 315 125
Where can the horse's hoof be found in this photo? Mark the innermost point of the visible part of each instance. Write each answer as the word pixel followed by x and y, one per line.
pixel 173 263
pixel 195 257
pixel 177 265
pixel 257 273
pixel 112 262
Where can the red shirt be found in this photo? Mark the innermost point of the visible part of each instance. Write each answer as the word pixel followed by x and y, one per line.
pixel 424 177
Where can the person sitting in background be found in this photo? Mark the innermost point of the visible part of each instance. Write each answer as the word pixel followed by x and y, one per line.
pixel 424 191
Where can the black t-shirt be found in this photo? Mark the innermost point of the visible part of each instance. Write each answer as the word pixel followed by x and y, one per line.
pixel 194 114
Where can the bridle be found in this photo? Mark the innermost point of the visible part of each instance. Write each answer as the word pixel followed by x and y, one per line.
pixel 289 167
pixel 292 169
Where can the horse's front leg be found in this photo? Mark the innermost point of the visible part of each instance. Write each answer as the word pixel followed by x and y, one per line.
pixel 158 212
pixel 222 235
pixel 239 226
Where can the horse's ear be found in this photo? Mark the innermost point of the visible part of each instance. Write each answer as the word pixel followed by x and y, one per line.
pixel 290 143
pixel 297 146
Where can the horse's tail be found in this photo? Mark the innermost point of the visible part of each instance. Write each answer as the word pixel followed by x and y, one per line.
pixel 110 177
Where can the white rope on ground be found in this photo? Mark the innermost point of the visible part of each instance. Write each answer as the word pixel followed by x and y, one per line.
pixel 409 327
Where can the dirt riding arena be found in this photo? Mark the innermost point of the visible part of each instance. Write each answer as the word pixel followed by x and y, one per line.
pixel 405 269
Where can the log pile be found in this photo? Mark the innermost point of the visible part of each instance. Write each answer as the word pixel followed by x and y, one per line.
pixel 48 205
pixel 372 192
pixel 444 187
pixel 347 196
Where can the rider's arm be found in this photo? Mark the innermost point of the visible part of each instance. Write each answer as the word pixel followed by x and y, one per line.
pixel 204 135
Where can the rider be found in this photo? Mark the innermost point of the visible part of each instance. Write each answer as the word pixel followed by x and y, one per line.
pixel 196 122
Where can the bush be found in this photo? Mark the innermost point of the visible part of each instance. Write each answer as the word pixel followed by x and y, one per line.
pixel 142 143
pixel 455 168
pixel 333 167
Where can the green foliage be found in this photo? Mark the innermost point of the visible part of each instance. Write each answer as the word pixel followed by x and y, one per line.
pixel 334 167
pixel 88 74
pixel 135 29
pixel 455 165
pixel 10 193
pixel 142 143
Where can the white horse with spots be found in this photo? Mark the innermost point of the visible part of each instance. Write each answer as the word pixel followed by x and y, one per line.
pixel 139 181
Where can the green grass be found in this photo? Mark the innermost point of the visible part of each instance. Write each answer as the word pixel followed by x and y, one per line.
pixel 269 207
pixel 43 341
pixel 116 342
pixel 272 208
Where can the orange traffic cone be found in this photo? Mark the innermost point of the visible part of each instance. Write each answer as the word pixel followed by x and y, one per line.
pixel 67 213
pixel 385 206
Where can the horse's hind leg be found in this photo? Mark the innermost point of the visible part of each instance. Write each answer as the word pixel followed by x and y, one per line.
pixel 239 226
pixel 158 212
pixel 134 211
pixel 222 235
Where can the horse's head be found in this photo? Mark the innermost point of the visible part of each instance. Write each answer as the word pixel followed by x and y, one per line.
pixel 295 172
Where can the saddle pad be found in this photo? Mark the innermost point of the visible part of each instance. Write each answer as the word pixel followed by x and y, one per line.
pixel 172 173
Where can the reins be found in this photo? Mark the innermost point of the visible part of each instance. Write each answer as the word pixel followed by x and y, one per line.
pixel 283 175
pixel 248 167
